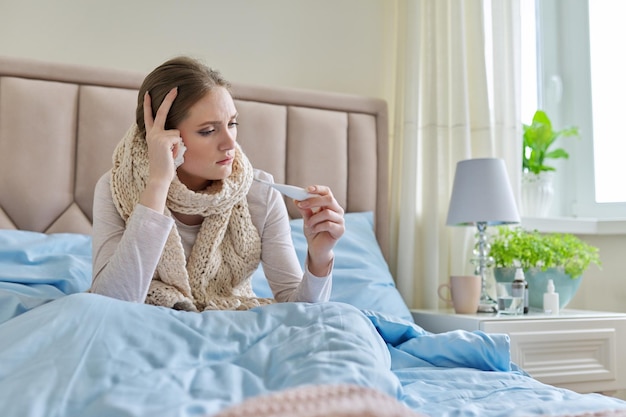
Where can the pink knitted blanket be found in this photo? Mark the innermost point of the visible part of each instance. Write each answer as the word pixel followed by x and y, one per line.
pixel 321 401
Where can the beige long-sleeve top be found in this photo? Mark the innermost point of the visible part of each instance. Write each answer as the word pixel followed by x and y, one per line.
pixel 125 255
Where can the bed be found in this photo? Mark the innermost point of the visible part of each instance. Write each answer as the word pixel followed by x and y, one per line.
pixel 65 352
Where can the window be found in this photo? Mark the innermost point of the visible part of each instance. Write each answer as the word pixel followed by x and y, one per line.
pixel 581 80
pixel 608 82
pixel 529 60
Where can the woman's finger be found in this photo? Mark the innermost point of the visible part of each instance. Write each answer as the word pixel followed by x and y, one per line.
pixel 164 108
pixel 148 120
pixel 315 221
pixel 326 200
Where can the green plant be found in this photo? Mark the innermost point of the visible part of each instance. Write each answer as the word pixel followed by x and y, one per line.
pixel 538 140
pixel 529 249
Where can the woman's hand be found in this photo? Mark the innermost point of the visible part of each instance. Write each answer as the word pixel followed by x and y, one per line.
pixel 163 146
pixel 323 226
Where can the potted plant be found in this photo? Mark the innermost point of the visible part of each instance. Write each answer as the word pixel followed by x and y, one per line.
pixel 539 146
pixel 561 257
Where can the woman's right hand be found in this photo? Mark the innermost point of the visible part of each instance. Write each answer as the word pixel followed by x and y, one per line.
pixel 163 146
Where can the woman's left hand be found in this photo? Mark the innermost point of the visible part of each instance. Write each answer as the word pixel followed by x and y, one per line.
pixel 323 226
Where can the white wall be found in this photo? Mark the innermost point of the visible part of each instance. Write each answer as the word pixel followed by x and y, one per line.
pixel 336 45
pixel 604 288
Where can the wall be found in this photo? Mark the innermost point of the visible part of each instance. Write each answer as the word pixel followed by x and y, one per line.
pixel 345 45
pixel 604 288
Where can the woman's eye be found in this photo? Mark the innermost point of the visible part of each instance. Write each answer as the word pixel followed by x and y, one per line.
pixel 233 124
pixel 206 132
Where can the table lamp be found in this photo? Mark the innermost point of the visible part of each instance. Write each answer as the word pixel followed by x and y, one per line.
pixel 481 197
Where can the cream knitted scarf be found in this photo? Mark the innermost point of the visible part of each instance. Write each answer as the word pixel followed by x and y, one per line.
pixel 227 249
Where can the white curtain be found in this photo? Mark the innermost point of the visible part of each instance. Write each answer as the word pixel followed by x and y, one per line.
pixel 446 111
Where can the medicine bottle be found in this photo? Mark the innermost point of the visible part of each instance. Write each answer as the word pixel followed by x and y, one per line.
pixel 520 287
pixel 551 299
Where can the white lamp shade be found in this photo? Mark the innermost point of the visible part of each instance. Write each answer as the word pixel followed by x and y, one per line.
pixel 482 193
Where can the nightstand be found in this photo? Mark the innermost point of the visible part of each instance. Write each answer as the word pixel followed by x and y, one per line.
pixel 584 351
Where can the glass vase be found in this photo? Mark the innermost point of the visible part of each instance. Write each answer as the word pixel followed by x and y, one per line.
pixel 537 194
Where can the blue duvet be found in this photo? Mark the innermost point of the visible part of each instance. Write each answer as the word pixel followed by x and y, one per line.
pixel 64 352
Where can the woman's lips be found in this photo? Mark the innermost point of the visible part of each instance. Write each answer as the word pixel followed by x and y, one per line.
pixel 226 161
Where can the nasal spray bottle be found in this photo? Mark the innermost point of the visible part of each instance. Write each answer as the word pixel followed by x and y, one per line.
pixel 551 299
pixel 520 287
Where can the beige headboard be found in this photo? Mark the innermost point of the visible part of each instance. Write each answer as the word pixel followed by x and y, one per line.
pixel 60 123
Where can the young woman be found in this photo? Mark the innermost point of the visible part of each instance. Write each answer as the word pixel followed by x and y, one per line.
pixel 189 237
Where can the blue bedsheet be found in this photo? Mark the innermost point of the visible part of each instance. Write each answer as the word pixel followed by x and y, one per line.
pixel 67 353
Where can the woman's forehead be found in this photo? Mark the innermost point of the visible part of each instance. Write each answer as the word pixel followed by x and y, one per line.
pixel 217 105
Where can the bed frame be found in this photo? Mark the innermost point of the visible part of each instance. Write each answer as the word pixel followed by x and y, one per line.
pixel 59 124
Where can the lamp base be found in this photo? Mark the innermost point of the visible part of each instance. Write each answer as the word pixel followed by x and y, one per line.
pixel 487 308
pixel 483 262
pixel 487 305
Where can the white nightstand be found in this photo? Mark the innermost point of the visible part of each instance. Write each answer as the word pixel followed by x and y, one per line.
pixel 584 351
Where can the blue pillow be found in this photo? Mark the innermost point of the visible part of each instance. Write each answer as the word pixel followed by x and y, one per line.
pixel 36 268
pixel 361 276
pixel 52 265
pixel 62 260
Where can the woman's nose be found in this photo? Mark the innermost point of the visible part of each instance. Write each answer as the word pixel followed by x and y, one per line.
pixel 229 138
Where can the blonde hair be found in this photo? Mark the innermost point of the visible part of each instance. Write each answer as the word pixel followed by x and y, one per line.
pixel 193 79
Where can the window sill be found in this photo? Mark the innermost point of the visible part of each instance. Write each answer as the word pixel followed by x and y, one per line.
pixel 577 226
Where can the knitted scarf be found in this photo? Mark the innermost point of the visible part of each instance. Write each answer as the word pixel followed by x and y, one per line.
pixel 227 248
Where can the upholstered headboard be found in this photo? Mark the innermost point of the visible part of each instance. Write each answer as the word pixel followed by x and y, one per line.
pixel 60 123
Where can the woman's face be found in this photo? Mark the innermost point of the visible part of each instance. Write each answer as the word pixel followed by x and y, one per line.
pixel 209 133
